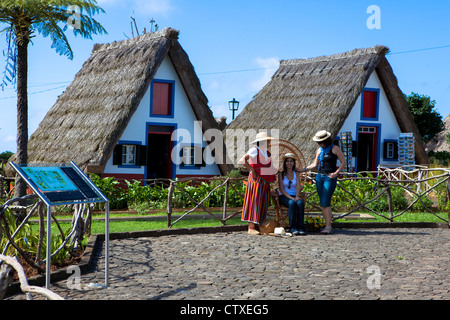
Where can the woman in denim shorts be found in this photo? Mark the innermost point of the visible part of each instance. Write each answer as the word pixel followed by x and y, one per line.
pixel 327 173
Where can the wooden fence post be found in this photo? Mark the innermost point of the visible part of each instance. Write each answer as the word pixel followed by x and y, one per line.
pixel 225 201
pixel 389 195
pixel 169 204
pixel 448 199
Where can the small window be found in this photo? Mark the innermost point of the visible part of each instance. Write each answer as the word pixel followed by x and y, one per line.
pixel 128 155
pixel 390 150
pixel 362 129
pixel 188 156
pixel 162 96
pixel 370 104
pixel 192 156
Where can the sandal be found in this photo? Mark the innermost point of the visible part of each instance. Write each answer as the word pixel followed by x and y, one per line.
pixel 326 230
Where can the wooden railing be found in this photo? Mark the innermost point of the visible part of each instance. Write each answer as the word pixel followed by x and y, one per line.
pixel 224 182
pixel 417 182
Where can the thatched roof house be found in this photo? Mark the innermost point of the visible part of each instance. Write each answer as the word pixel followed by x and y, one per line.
pixel 308 95
pixel 91 116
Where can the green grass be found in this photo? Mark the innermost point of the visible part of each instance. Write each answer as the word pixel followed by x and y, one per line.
pixel 127 226
pixel 405 217
pixel 98 227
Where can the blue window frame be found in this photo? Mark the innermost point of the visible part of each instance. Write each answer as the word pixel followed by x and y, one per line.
pixel 390 150
pixel 370 103
pixel 192 157
pixel 127 154
pixel 162 98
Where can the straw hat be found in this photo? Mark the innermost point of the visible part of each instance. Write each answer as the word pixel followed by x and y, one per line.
pixel 289 155
pixel 321 136
pixel 262 136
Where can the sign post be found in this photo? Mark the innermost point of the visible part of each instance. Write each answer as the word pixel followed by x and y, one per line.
pixel 62 185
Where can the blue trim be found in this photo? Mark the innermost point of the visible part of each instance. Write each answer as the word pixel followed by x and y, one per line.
pixel 128 166
pixel 368 124
pixel 129 142
pixel 172 99
pixel 377 104
pixel 174 143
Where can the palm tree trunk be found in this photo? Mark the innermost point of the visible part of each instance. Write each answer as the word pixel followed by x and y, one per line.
pixel 22 108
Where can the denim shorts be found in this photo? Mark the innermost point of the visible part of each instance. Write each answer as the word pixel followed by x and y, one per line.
pixel 325 189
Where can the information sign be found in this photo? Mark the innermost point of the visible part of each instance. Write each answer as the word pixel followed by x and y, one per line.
pixel 61 185
pixel 65 184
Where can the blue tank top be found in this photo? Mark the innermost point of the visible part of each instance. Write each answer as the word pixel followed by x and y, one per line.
pixel 329 163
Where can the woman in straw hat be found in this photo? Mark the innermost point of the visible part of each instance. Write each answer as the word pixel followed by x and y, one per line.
pixel 258 161
pixel 289 194
pixel 326 178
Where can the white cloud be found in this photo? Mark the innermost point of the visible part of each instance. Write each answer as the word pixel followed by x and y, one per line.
pixel 10 138
pixel 143 7
pixel 154 6
pixel 269 65
pixel 106 2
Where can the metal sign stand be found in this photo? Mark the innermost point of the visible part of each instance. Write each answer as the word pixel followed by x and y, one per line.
pixel 62 185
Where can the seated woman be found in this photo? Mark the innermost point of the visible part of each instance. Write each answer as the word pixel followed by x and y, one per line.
pixel 289 195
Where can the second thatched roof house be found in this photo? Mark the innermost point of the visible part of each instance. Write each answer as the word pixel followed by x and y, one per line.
pixel 123 114
pixel 349 94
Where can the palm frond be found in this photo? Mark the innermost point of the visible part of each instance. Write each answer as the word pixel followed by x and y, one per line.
pixel 48 18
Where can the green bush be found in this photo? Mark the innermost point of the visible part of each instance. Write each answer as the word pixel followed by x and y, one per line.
pixel 348 195
pixel 110 188
pixel 399 202
pixel 365 190
pixel 25 239
pixel 143 198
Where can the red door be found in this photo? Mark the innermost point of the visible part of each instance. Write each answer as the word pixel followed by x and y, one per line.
pixel 159 151
pixel 367 148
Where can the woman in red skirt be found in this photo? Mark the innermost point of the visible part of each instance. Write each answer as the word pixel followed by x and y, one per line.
pixel 256 200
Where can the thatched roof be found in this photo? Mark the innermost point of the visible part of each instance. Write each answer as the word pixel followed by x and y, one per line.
pixel 440 143
pixel 308 95
pixel 88 119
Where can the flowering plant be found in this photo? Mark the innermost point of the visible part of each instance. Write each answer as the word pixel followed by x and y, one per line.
pixel 314 224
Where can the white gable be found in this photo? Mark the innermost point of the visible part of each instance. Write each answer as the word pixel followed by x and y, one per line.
pixel 385 122
pixel 183 119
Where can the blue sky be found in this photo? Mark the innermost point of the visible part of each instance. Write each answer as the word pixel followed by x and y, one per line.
pixel 235 46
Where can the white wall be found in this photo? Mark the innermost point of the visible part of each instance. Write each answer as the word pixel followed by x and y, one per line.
pixel 389 128
pixel 184 118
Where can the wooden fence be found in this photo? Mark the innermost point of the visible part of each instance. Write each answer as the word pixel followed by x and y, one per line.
pixel 418 182
pixel 223 182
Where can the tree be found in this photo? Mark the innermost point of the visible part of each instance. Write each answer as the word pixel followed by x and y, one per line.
pixel 427 119
pixel 5 155
pixel 50 18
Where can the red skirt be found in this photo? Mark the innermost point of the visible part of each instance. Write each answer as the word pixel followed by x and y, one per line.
pixel 256 200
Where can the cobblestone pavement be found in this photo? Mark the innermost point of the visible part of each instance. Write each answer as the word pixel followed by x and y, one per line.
pixel 411 264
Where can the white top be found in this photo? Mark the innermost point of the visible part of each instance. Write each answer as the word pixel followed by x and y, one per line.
pixel 253 153
pixel 292 189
